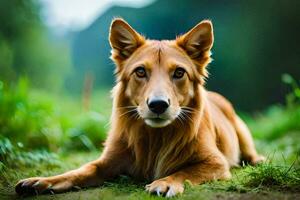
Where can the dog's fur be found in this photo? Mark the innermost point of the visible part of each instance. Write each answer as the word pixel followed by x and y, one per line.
pixel 198 138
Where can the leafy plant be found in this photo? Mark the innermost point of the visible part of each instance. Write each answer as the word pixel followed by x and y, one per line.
pixel 33 123
pixel 293 97
pixel 38 120
pixel 13 156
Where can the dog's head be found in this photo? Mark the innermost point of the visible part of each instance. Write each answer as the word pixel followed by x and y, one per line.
pixel 160 77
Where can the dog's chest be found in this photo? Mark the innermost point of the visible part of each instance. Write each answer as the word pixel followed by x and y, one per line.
pixel 156 157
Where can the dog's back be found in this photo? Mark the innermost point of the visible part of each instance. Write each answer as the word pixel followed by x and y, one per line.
pixel 233 138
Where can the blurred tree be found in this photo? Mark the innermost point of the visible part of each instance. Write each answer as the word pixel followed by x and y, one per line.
pixel 26 48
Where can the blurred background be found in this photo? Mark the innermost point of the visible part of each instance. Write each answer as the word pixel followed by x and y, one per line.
pixel 55 71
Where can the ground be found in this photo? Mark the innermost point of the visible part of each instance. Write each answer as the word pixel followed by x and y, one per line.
pixel 267 181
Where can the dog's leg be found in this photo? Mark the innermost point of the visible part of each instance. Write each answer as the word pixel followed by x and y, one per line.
pixel 90 174
pixel 246 142
pixel 213 168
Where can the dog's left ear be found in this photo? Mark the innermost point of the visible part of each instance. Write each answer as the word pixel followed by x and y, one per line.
pixel 198 41
pixel 124 40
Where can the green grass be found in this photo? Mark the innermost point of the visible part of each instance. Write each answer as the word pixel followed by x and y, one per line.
pixel 52 122
pixel 269 180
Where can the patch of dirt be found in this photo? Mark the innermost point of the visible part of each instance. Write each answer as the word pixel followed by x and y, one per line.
pixel 108 194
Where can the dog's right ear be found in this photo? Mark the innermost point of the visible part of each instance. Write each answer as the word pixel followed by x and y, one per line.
pixel 124 40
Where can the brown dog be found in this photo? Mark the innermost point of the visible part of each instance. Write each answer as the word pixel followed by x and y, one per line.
pixel 165 127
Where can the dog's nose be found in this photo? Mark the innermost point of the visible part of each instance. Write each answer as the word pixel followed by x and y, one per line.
pixel 158 105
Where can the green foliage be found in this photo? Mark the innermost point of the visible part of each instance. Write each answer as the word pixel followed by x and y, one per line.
pixel 277 129
pixel 293 98
pixel 12 156
pixel 26 47
pixel 273 176
pixel 38 121
pixel 89 132
pixel 266 176
pixel 17 16
pixel 278 121
pixel 27 121
pixel 34 123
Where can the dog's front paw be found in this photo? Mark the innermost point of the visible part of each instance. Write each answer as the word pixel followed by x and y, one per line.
pixel 39 185
pixel 165 187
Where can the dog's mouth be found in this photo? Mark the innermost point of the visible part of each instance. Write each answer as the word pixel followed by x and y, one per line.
pixel 157 122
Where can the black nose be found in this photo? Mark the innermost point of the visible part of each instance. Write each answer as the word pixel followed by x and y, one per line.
pixel 158 105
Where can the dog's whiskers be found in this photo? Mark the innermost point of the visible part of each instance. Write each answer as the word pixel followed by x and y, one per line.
pixel 136 116
pixel 125 107
pixel 132 112
pixel 189 109
pixel 180 119
pixel 129 111
pixel 187 116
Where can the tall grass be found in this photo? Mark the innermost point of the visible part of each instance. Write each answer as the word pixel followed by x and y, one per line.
pixel 14 156
pixel 36 120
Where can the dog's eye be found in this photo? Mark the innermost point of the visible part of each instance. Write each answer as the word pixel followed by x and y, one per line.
pixel 179 72
pixel 140 72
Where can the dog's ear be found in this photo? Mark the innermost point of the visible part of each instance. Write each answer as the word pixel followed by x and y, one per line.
pixel 198 41
pixel 124 40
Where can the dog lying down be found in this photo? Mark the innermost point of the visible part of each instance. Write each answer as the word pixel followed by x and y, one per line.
pixel 166 128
